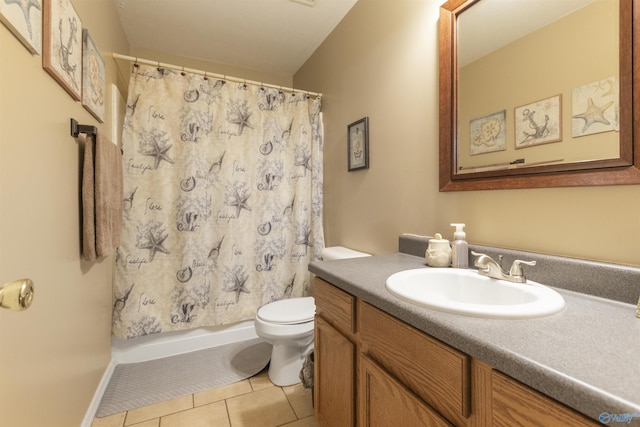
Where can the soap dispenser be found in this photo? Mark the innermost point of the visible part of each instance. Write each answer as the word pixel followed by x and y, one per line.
pixel 438 252
pixel 459 248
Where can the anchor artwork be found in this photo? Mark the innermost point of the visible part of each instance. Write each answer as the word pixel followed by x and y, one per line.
pixel 62 45
pixel 539 122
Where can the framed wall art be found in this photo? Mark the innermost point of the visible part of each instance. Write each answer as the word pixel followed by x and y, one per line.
pixel 358 144
pixel 93 78
pixel 595 107
pixel 488 133
pixel 24 19
pixel 62 45
pixel 539 122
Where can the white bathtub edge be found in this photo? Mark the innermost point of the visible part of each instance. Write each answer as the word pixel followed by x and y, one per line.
pixel 174 343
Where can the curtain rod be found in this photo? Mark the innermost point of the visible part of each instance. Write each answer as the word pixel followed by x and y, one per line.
pixel 208 74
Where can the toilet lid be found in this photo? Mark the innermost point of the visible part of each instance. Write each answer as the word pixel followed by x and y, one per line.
pixel 289 311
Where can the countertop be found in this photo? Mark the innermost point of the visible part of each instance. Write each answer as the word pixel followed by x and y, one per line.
pixel 587 357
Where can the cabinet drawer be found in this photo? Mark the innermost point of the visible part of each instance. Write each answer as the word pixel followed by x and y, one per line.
pixel 435 372
pixel 335 306
pixel 515 404
pixel 385 402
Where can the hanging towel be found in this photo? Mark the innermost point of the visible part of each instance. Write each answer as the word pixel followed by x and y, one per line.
pixel 101 198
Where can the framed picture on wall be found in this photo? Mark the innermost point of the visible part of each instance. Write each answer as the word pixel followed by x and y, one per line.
pixel 93 78
pixel 62 45
pixel 488 133
pixel 24 19
pixel 539 122
pixel 595 107
pixel 358 144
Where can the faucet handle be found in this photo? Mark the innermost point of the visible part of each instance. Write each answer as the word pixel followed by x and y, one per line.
pixel 481 260
pixel 516 267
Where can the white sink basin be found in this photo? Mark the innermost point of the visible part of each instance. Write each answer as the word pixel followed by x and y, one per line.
pixel 468 293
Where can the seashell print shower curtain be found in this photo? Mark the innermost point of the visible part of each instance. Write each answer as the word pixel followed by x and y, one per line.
pixel 223 201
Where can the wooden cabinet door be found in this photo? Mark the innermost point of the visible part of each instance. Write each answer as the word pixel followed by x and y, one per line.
pixel 334 376
pixel 385 402
pixel 515 404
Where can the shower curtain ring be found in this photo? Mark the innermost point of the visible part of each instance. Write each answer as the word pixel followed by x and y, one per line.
pixel 182 72
pixel 205 75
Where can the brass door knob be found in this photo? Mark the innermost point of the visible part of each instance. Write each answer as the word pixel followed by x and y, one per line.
pixel 17 295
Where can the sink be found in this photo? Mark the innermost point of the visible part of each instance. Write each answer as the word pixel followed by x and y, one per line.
pixel 468 293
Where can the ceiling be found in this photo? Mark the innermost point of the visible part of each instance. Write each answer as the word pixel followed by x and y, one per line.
pixel 275 36
pixel 492 24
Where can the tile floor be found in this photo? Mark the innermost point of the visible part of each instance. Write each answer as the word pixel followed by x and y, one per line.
pixel 255 402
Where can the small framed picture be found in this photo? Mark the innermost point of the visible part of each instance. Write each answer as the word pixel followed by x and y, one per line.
pixel 93 78
pixel 358 144
pixel 488 133
pixel 595 108
pixel 62 45
pixel 24 19
pixel 538 122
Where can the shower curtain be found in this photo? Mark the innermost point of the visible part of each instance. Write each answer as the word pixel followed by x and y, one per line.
pixel 223 201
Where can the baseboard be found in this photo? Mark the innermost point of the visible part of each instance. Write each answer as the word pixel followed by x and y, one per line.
pixel 97 396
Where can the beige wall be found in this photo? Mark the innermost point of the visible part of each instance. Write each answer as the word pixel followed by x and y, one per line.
pixel 53 355
pixel 382 62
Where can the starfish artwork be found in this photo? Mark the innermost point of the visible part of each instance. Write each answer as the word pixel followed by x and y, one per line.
pixel 25 6
pixel 304 160
pixel 155 245
pixel 240 202
pixel 238 286
pixel 158 153
pixel 593 114
pixel 241 119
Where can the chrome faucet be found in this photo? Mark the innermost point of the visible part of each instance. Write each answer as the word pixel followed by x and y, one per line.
pixel 487 266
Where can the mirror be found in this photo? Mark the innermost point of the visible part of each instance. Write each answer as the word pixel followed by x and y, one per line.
pixel 502 128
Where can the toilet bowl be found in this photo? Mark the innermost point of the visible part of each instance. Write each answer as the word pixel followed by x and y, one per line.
pixel 288 326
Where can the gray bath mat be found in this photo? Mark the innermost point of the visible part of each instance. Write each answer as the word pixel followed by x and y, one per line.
pixel 134 385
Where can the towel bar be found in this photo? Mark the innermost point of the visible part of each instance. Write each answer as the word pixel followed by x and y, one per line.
pixel 77 129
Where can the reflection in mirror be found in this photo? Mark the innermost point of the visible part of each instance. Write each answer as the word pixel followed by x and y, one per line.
pixel 540 91
pixel 544 101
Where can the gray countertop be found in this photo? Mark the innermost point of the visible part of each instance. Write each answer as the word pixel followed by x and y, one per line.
pixel 587 357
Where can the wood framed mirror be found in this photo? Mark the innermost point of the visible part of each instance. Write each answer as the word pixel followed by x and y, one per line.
pixel 513 171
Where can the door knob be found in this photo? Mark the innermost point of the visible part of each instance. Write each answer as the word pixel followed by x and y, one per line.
pixel 17 295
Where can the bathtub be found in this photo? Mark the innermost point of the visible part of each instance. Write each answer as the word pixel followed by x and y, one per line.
pixel 166 344
pixel 156 346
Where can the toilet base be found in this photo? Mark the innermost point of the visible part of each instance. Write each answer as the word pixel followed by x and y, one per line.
pixel 286 363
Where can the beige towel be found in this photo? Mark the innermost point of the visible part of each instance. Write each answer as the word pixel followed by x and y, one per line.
pixel 101 198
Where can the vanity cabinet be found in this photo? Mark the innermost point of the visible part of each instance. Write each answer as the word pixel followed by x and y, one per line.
pixel 334 356
pixel 373 370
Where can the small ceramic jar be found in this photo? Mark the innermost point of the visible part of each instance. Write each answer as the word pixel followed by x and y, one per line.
pixel 438 252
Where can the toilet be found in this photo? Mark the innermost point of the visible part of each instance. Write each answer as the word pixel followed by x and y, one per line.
pixel 288 326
